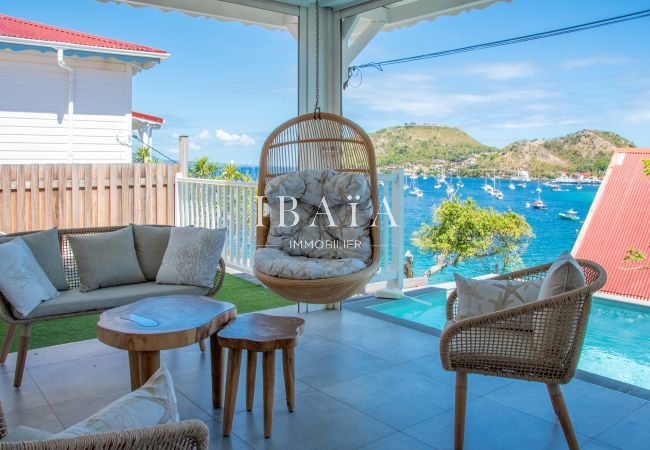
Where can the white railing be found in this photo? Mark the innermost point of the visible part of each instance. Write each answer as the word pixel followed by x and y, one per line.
pixel 233 205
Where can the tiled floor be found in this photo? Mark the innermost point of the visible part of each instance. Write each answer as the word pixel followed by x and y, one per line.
pixel 361 383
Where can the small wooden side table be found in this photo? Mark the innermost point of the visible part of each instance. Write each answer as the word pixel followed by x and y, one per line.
pixel 259 333
pixel 160 323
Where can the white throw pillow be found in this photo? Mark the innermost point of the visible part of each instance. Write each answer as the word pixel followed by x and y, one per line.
pixel 479 297
pixel 152 404
pixel 564 275
pixel 22 281
pixel 192 256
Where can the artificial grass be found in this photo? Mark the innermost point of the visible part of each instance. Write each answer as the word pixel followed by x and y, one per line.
pixel 247 296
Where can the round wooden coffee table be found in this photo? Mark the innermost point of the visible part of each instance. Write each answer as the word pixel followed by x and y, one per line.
pixel 145 327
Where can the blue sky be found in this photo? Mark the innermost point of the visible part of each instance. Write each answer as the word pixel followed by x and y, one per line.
pixel 227 85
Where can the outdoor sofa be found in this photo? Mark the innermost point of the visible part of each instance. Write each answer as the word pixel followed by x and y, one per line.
pixel 74 302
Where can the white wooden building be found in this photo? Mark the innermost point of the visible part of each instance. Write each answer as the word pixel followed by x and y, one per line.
pixel 65 96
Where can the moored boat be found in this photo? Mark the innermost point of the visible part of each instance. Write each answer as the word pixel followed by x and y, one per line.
pixel 569 215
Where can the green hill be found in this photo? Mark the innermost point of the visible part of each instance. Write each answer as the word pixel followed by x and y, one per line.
pixel 430 146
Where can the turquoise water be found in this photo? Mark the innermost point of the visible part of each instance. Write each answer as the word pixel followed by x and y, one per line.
pixel 552 235
pixel 616 344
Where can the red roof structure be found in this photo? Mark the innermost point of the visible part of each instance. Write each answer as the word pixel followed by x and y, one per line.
pixel 619 220
pixel 147 117
pixel 14 27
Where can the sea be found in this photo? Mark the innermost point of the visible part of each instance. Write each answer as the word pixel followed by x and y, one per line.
pixel 552 234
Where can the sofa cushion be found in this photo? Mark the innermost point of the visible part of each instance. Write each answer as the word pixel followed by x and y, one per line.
pixel 22 281
pixel 106 259
pixel 276 263
pixel 341 231
pixel 74 301
pixel 152 404
pixel 23 434
pixel 192 256
pixel 478 297
pixel 150 245
pixel 45 248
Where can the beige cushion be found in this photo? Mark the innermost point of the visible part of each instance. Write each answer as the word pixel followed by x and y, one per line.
pixel 22 281
pixel 106 259
pixel 45 248
pixel 24 434
pixel 564 275
pixel 192 256
pixel 478 297
pixel 150 245
pixel 73 301
pixel 152 404
pixel 275 263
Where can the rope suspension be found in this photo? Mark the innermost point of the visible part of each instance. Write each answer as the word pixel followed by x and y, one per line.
pixel 316 105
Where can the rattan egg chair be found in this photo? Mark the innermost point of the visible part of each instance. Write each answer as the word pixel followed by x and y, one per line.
pixel 319 141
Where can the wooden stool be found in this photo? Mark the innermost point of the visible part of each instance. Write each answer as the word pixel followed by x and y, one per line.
pixel 259 333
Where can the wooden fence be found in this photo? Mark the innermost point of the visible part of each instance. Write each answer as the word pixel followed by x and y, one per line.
pixel 85 195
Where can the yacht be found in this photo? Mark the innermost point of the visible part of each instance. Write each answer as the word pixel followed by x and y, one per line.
pixel 527 205
pixel 570 215
pixel 511 185
pixel 539 204
pixel 579 187
pixel 555 187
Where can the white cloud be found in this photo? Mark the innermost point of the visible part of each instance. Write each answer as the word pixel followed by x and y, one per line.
pixel 502 71
pixel 638 116
pixel 538 121
pixel 593 61
pixel 205 135
pixel 232 139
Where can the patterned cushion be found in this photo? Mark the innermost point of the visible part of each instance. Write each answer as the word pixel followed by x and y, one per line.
pixel 276 263
pixel 192 256
pixel 152 404
pixel 315 233
pixel 479 297
pixel 22 281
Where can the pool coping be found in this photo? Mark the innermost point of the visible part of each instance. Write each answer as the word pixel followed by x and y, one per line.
pixel 362 305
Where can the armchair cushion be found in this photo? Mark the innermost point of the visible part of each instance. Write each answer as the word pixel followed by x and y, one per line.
pixel 22 281
pixel 275 263
pixel 152 404
pixel 23 433
pixel 192 256
pixel 564 275
pixel 478 297
pixel 106 259
pixel 150 245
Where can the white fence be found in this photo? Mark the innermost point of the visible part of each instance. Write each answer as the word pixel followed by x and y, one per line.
pixel 233 205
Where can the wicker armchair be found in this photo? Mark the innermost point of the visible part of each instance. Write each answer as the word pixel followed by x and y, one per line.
pixel 72 276
pixel 540 341
pixel 184 435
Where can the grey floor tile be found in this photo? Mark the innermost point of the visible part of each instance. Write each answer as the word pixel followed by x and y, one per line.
pixel 218 442
pixel 186 360
pixel 583 400
pixel 632 433
pixel 42 418
pixel 333 324
pixel 490 425
pixel 397 441
pixel 27 396
pixel 476 384
pixel 74 411
pixel 596 444
pixel 82 378
pixel 396 396
pixel 319 422
pixel 330 363
pixel 62 353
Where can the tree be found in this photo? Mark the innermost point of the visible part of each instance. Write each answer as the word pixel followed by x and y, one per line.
pixel 231 172
pixel 144 155
pixel 462 229
pixel 202 167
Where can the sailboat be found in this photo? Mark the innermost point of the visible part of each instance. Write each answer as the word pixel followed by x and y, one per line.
pixel 415 190
pixel 511 185
pixel 486 187
pixel 496 192
pixel 460 183
pixel 450 189
pixel 539 188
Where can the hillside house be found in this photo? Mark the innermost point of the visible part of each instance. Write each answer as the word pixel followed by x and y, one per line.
pixel 65 96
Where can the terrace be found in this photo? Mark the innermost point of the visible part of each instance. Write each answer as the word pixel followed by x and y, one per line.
pixel 361 381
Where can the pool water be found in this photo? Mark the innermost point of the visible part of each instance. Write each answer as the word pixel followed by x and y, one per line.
pixel 617 343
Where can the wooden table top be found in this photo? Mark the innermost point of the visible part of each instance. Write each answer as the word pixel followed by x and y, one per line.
pixel 157 323
pixel 261 332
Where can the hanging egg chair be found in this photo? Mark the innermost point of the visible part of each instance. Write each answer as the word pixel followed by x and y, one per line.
pixel 319 141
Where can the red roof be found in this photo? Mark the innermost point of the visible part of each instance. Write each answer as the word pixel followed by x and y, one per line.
pixel 150 118
pixel 619 219
pixel 25 29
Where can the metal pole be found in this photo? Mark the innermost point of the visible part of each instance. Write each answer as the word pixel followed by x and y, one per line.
pixel 183 144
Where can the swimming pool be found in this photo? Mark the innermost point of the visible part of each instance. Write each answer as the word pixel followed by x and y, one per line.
pixel 617 343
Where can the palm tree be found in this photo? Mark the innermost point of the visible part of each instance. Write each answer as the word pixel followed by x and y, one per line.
pixel 202 167
pixel 231 172
pixel 143 155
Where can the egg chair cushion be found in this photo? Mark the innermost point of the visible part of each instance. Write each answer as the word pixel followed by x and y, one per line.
pixel 320 214
pixel 276 263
